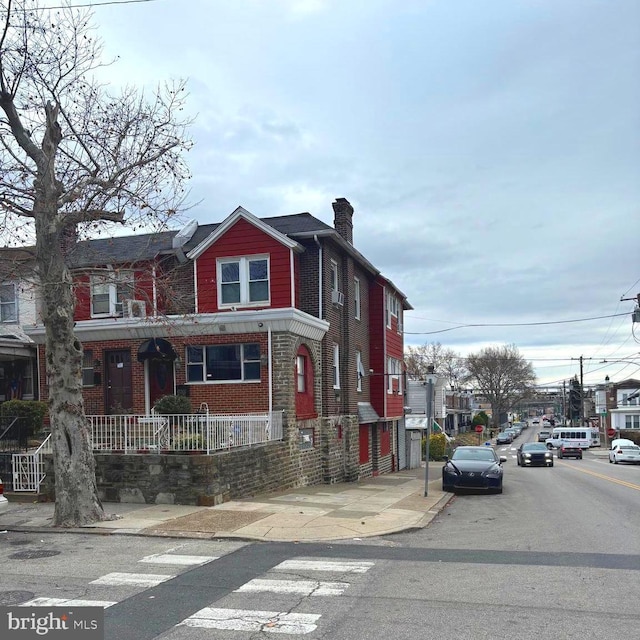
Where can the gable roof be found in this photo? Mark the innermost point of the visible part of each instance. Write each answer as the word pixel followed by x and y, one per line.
pixel 241 214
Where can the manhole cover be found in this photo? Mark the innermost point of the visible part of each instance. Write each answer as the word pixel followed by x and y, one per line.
pixel 10 598
pixel 32 554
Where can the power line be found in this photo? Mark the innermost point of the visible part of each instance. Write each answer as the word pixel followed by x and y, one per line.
pixel 95 4
pixel 514 324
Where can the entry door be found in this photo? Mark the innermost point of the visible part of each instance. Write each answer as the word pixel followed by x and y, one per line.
pixel 119 395
pixel 160 379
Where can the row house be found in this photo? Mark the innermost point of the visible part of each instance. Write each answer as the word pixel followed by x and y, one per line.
pixel 17 309
pixel 617 405
pixel 249 315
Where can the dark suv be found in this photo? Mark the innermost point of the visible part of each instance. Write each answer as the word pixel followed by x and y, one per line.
pixel 569 451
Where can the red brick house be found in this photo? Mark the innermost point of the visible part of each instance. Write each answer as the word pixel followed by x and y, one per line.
pixel 249 315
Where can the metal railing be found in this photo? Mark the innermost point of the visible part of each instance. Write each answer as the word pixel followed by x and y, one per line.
pixel 181 433
pixel 28 468
pixel 205 433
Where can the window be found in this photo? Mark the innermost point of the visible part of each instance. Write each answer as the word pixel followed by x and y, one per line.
pixel 223 363
pixel 300 371
pixel 632 422
pixel 392 308
pixel 359 370
pixel 108 292
pixel 334 276
pixel 87 368
pixel 336 366
pixel 394 377
pixel 356 297
pixel 243 281
pixel 630 399
pixel 8 303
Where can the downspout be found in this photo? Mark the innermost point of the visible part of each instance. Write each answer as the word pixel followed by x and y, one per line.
pixel 155 290
pixel 315 237
pixel 270 371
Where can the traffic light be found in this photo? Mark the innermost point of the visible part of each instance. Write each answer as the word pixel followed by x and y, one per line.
pixel 575 400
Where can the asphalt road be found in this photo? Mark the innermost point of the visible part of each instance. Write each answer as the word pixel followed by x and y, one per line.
pixel 557 555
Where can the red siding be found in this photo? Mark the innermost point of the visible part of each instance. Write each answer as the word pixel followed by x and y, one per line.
pixel 244 239
pixel 377 362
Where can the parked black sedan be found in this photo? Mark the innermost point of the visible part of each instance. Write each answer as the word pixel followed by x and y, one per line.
pixel 534 454
pixel 473 468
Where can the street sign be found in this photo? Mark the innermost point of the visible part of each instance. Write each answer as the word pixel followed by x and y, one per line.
pixel 479 428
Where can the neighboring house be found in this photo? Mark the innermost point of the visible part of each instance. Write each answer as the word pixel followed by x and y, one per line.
pixel 249 315
pixel 18 368
pixel 619 405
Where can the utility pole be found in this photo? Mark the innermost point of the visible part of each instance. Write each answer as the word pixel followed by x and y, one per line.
pixel 581 394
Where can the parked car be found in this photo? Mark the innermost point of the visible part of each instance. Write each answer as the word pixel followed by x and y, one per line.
pixel 532 454
pixel 517 428
pixel 4 503
pixel 569 451
pixel 544 434
pixel 513 432
pixel 473 468
pixel 504 438
pixel 625 453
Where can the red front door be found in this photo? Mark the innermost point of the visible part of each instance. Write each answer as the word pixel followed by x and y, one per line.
pixel 160 379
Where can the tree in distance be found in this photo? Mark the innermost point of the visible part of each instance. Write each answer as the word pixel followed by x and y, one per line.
pixel 503 376
pixel 76 158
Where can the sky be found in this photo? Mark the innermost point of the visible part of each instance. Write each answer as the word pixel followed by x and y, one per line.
pixel 490 149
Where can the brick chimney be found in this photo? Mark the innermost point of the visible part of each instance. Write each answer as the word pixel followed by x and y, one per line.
pixel 343 218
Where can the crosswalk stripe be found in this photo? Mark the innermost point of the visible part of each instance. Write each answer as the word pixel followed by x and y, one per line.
pixel 61 602
pixel 134 579
pixel 324 565
pixel 302 587
pixel 246 620
pixel 182 560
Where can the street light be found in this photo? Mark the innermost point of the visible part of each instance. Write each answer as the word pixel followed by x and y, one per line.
pixel 431 379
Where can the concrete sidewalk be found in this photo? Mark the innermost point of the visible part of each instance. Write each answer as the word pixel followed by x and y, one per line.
pixel 373 507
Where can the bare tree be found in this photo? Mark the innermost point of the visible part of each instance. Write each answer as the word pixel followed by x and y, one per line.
pixel 75 158
pixel 447 363
pixel 503 376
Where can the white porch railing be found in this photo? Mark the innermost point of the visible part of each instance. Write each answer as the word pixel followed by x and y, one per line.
pixel 159 434
pixel 177 433
pixel 28 468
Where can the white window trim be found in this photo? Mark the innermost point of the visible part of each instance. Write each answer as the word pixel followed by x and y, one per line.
pixel 244 281
pixel 335 281
pixel 356 297
pixel 300 374
pixel 114 279
pixel 243 361
pixel 14 303
pixel 359 370
pixel 336 366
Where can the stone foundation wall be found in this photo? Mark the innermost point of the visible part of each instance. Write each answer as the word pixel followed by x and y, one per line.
pixel 199 479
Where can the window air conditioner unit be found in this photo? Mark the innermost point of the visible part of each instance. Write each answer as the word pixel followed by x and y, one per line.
pixel 136 309
pixel 337 297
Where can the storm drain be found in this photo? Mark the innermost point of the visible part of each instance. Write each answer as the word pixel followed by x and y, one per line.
pixel 12 598
pixel 32 554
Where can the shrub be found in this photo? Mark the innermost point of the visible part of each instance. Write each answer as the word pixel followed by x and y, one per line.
pixel 170 405
pixel 437 446
pixel 32 412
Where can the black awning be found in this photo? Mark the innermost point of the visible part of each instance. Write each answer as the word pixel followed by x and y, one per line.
pixel 158 348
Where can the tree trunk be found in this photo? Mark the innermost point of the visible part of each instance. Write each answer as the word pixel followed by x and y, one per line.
pixel 77 501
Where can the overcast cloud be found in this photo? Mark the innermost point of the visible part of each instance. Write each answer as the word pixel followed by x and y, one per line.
pixel 490 149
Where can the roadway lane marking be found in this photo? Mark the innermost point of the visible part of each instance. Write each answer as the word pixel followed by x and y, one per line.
pixel 324 565
pixel 244 620
pixel 61 602
pixel 301 587
pixel 624 483
pixel 133 579
pixel 183 560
